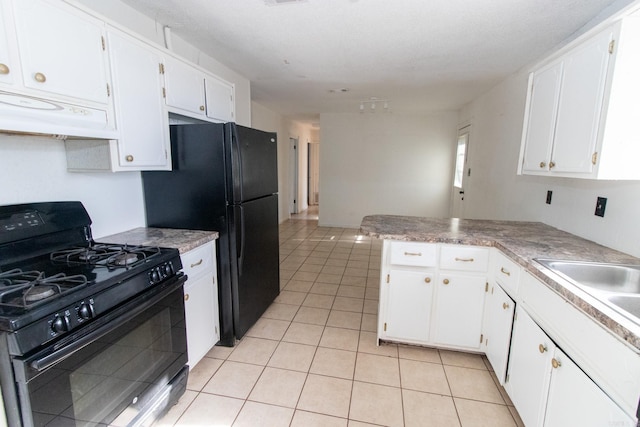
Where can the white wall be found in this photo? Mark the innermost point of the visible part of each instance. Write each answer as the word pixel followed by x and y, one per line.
pixel 385 164
pixel 33 169
pixel 495 191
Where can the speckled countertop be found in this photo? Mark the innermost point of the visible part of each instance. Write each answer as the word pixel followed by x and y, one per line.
pixel 522 242
pixel 183 240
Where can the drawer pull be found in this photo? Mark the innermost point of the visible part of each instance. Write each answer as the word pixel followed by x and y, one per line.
pixel 503 271
pixel 505 305
pixel 464 259
pixel 413 254
pixel 445 281
pixel 427 280
pixel 195 264
pixel 555 363
pixel 186 297
pixel 542 348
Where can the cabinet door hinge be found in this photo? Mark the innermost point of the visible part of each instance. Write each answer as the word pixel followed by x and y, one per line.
pixel 486 286
pixel 594 158
pixel 161 68
pixel 612 45
pixel 108 90
pixel 164 93
pixel 166 157
pixel 388 278
pixel 506 380
pixel 385 326
pixel 104 44
pixel 481 338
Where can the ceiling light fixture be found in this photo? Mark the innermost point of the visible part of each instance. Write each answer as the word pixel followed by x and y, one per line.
pixel 372 103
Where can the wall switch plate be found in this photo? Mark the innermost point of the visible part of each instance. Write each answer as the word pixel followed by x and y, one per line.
pixel 601 204
pixel 549 193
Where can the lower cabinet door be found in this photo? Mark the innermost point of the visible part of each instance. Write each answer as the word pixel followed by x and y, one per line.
pixel 458 312
pixel 529 369
pixel 498 320
pixel 201 317
pixel 575 400
pixel 408 309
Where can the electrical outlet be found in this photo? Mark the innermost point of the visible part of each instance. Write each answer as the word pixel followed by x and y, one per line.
pixel 549 193
pixel 601 204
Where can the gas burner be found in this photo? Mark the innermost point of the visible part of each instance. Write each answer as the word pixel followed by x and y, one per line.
pixel 106 255
pixel 29 289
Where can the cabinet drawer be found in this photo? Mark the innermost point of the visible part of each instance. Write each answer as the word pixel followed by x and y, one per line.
pixel 465 258
pixel 198 261
pixel 412 253
pixel 506 273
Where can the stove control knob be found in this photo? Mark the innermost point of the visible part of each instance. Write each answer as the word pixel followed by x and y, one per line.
pixel 168 269
pixel 155 276
pixel 60 324
pixel 86 311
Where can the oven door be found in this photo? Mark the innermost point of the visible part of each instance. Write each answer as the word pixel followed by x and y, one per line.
pixel 120 368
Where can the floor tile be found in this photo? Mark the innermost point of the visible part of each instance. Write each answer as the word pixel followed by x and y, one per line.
pixel 377 404
pixel 370 306
pixel 255 414
pixel 234 379
pixel 278 387
pixel 176 411
pixel 326 395
pixel 482 414
pixel 356 281
pixel 348 304
pixel 310 419
pixel 202 373
pixel 377 369
pixel 351 291
pixel 369 323
pixel 305 276
pixel 298 286
pixel 472 384
pixel 368 344
pixel 253 350
pixel 344 319
pixel 296 357
pixel 333 269
pixel 327 278
pixel 220 352
pixel 281 311
pixel 422 354
pixel 423 376
pixel 466 360
pixel 271 329
pixel 211 410
pixel 312 315
pixel 340 338
pixel 428 410
pixel 318 301
pixel 303 333
pixel 289 297
pixel 324 288
pixel 334 363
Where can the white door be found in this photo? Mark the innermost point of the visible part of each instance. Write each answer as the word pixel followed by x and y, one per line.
pixel 410 294
pixel 499 308
pixel 185 86
pixel 293 175
pixel 460 172
pixel 314 173
pixel 219 97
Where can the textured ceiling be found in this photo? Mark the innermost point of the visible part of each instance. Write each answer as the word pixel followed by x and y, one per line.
pixel 421 55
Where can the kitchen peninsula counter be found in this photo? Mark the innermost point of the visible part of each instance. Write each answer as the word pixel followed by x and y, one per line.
pixel 183 240
pixel 522 242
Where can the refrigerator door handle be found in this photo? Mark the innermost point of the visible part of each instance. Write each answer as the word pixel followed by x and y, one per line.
pixel 236 158
pixel 240 241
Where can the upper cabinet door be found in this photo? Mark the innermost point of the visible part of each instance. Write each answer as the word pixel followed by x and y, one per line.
pixel 62 50
pixel 220 99
pixel 185 87
pixel 544 91
pixel 580 105
pixel 8 54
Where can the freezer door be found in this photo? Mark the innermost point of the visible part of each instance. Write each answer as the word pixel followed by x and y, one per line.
pixel 254 162
pixel 255 243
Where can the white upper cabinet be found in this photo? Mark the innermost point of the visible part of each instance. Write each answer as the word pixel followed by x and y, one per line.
pixel 185 88
pixel 8 54
pixel 220 99
pixel 194 93
pixel 581 109
pixel 62 50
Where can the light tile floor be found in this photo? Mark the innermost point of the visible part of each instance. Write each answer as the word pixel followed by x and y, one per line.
pixel 312 359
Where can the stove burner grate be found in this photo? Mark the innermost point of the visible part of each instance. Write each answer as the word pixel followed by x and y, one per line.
pixel 28 289
pixel 106 255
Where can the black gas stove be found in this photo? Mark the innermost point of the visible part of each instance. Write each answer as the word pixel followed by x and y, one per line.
pixel 58 288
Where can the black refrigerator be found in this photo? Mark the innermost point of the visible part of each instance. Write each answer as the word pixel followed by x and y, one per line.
pixel 224 178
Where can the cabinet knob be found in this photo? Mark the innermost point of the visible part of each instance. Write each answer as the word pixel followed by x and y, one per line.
pixel 542 165
pixel 445 281
pixel 186 297
pixel 542 348
pixel 552 165
pixel 555 363
pixel 427 280
pixel 129 158
pixel 40 78
pixel 4 69
pixel 202 108
pixel 505 305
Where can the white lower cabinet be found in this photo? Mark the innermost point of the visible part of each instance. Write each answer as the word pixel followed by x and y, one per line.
pixel 201 302
pixel 549 389
pixel 498 319
pixel 409 299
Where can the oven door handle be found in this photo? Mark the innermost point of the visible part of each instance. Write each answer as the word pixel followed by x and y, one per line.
pixel 114 319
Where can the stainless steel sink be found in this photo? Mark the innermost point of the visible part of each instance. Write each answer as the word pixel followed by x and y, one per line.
pixel 617 285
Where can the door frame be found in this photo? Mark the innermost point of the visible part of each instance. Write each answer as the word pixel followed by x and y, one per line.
pixel 293 175
pixel 461 172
